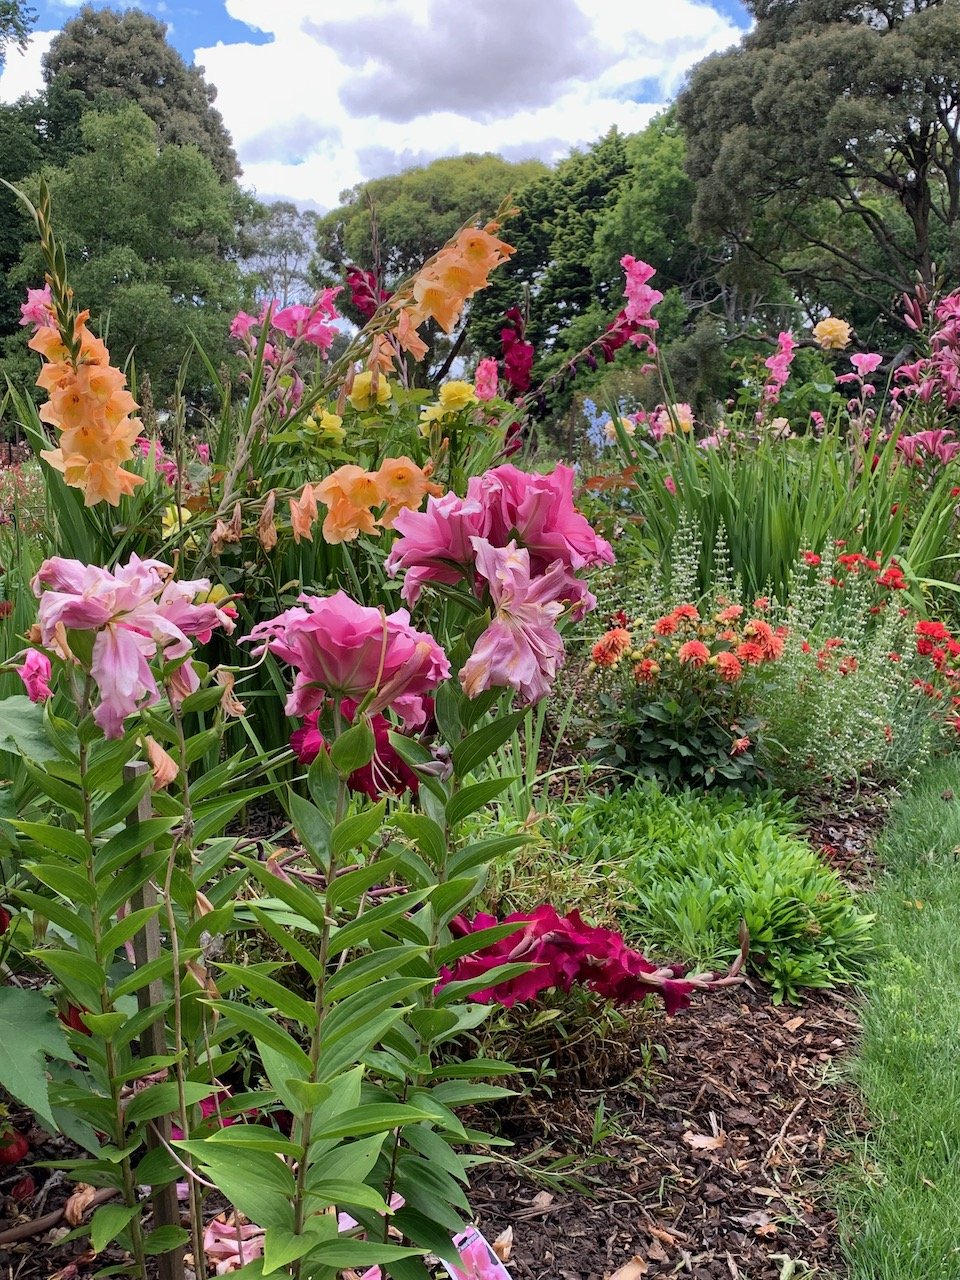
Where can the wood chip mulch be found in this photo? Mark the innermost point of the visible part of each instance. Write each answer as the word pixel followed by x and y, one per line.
pixel 718 1165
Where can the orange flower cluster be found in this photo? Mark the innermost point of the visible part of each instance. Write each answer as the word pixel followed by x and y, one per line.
pixel 715 646
pixel 457 272
pixel 90 406
pixel 350 495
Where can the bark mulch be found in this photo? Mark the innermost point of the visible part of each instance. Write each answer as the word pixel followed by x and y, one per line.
pixel 718 1164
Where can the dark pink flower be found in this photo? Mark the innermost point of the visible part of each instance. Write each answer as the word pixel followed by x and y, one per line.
pixel 35 672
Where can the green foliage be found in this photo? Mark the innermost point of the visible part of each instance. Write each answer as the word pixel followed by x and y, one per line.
pixel 824 105
pixel 29 1036
pixel 152 261
pixel 16 19
pixel 900 1195
pixel 693 866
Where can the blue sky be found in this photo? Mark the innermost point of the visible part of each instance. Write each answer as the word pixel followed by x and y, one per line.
pixel 322 94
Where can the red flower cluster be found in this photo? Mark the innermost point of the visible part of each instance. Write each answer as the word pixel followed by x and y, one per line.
pixel 517 354
pixel 563 950
pixel 365 293
pixel 386 773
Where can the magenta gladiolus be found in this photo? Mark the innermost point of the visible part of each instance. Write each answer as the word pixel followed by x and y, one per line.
pixel 346 650
pixel 521 649
pixel 35 672
pixel 139 613
pixel 241 324
pixel 641 300
pixel 385 774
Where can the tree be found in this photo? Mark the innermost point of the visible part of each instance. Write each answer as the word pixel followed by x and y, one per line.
pixel 281 244
pixel 147 233
pixel 414 213
pixel 16 19
pixel 830 139
pixel 126 57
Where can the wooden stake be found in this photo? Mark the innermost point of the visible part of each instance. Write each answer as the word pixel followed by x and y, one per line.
pixel 153 1039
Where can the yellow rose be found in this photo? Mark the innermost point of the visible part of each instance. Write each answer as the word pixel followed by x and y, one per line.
pixel 455 396
pixel 430 414
pixel 328 424
pixel 832 334
pixel 361 397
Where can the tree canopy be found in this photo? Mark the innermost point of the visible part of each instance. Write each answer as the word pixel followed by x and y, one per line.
pixel 16 19
pixel 152 261
pixel 829 141
pixel 126 57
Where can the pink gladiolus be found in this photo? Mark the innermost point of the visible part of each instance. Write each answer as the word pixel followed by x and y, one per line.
pixel 779 365
pixel 38 308
pixel 641 300
pixel 139 613
pixel 865 364
pixel 346 650
pixel 203 453
pixel 670 485
pixel 487 379
pixel 35 672
pixel 521 649
pixel 241 324
pixel 938 445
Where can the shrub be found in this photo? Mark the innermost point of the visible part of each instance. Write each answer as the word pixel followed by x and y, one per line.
pixel 693 866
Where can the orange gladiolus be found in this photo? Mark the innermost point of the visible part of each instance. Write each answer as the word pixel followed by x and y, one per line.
pixel 90 406
pixel 401 483
pixel 455 274
pixel 303 513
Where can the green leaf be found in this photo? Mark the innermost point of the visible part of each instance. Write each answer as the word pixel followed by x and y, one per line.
pixel 129 843
pixel 429 838
pixel 483 742
pixel 374 921
pixel 259 1185
pixel 352 884
pixel 360 1253
pixel 472 798
pixel 357 829
pixel 347 1161
pixel 22 729
pixel 69 884
pixel 29 1034
pixel 81 976
pixel 273 992
pixel 107 1223
pixel 375 1117
pixel 165 1240
pixel 354 748
pixel 164 1099
pixel 256 1137
pixel 70 843
pixel 258 1024
pixel 311 825
pixel 360 973
pixel 281 1247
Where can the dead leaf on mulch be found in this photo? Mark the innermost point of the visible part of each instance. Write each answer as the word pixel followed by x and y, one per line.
pixel 503 1245
pixel 631 1270
pixel 79 1203
pixel 705 1141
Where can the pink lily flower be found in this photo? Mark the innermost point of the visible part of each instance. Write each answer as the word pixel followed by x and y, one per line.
pixel 521 649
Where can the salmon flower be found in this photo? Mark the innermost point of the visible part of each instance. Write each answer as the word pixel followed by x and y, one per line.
pixel 728 667
pixel 611 647
pixel 90 406
pixel 303 514
pixel 646 671
pixel 348 493
pixel 694 653
pixel 402 485
pixel 458 271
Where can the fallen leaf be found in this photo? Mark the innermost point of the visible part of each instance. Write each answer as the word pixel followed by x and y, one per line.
pixel 542 1200
pixel 794 1024
pixel 705 1141
pixel 79 1203
pixel 503 1245
pixel 766 1230
pixel 631 1270
pixel 657 1253
pixel 664 1237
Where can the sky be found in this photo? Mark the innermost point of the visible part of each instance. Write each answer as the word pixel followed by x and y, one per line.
pixel 322 94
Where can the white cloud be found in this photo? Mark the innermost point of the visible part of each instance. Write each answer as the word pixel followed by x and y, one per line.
pixel 22 72
pixel 348 91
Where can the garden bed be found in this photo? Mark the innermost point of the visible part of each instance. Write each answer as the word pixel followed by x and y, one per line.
pixel 716 1162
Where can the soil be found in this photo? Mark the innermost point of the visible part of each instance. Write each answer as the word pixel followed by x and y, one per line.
pixel 711 1157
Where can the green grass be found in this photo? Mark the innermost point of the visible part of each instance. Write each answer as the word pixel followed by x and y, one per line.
pixel 900 1208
